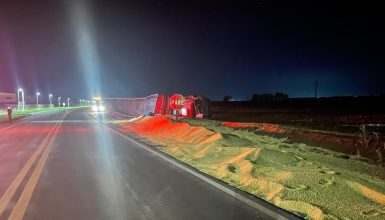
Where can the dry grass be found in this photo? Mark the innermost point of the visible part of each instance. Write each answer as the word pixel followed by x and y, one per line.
pixel 312 182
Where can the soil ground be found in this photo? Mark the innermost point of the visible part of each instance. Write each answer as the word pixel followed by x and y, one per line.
pixel 312 182
pixel 330 123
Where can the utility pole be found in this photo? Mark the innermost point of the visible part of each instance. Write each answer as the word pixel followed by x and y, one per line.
pixel 315 88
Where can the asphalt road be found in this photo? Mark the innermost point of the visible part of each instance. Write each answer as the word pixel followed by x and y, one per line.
pixel 64 165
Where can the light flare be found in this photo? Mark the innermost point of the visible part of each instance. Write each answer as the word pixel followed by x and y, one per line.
pixel 83 27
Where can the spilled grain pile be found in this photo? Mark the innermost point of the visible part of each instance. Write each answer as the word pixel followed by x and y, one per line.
pixel 312 182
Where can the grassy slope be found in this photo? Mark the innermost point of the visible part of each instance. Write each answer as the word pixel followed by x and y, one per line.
pixel 4 118
pixel 313 182
pixel 20 114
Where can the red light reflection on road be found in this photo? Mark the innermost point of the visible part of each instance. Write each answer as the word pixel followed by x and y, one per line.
pixel 73 129
pixel 30 131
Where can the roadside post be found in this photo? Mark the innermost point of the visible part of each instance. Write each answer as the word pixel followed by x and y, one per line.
pixel 177 102
pixel 9 111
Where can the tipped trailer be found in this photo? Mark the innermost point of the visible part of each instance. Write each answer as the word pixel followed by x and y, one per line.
pixel 158 104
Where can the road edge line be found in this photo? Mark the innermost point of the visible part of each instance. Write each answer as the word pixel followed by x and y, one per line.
pixel 29 118
pixel 22 204
pixel 26 119
pixel 21 175
pixel 253 201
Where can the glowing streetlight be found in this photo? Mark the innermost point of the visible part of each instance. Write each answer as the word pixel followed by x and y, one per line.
pixel 20 91
pixel 37 99
pixel 50 99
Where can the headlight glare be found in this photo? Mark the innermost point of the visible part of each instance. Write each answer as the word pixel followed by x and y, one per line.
pixel 102 108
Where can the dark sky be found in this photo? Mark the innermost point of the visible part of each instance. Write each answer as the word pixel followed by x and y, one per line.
pixel 215 48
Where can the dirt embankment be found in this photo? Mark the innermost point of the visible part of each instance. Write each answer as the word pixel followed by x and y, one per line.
pixel 347 143
pixel 341 114
pixel 310 181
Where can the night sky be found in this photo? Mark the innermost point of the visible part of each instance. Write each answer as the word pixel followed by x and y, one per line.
pixel 215 48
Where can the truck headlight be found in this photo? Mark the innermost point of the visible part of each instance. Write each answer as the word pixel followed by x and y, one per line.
pixel 101 108
pixel 95 108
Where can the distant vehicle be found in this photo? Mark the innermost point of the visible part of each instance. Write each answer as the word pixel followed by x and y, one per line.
pixel 98 105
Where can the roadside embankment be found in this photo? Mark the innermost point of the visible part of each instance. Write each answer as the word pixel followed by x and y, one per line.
pixel 312 182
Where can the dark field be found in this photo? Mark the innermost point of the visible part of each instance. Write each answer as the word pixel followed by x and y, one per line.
pixel 332 123
pixel 341 114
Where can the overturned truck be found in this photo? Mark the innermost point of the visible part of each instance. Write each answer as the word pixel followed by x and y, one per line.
pixel 158 104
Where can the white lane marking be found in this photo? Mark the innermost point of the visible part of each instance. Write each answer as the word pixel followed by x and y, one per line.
pixel 217 185
pixel 28 119
pixel 21 175
pixel 66 121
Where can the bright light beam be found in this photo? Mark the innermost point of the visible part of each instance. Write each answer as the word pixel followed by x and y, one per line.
pixel 82 25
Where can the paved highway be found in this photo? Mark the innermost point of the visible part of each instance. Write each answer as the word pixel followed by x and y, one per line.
pixel 65 165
